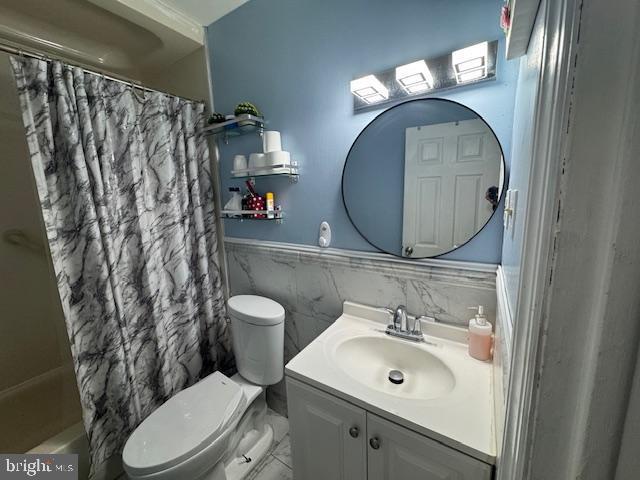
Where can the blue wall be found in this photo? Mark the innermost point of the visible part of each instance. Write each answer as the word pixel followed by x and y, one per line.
pixel 525 108
pixel 295 58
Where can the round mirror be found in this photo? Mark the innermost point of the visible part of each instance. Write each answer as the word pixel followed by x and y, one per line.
pixel 423 178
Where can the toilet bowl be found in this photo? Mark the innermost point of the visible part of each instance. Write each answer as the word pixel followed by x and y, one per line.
pixel 216 429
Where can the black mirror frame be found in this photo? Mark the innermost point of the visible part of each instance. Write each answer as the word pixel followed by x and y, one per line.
pixel 505 180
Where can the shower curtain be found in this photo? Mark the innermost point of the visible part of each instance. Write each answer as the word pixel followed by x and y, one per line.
pixel 127 198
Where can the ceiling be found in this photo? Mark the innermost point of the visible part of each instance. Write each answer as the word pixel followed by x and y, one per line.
pixel 119 36
pixel 203 12
pixel 127 37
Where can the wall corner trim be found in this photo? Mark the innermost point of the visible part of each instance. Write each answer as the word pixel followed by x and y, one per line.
pixel 504 313
pixel 502 358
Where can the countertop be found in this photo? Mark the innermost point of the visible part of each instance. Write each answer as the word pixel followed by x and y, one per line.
pixel 461 419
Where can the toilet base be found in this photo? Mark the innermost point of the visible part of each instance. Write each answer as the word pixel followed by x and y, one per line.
pixel 238 468
pixel 249 444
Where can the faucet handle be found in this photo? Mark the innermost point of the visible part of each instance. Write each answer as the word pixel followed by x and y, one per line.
pixel 390 312
pixel 417 325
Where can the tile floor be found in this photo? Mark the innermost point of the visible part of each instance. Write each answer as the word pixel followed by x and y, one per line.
pixel 277 463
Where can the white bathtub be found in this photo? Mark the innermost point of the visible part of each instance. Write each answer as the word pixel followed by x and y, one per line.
pixel 74 440
pixel 38 409
pixel 70 440
pixel 43 415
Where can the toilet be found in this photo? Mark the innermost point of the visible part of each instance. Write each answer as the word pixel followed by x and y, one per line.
pixel 216 429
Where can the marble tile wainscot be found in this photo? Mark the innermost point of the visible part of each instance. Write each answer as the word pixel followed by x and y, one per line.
pixel 312 283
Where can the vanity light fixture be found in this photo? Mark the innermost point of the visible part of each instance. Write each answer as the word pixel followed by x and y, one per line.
pixel 414 77
pixel 369 89
pixel 472 75
pixel 452 69
pixel 470 63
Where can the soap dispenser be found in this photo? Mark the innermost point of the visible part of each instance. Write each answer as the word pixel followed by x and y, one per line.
pixel 480 335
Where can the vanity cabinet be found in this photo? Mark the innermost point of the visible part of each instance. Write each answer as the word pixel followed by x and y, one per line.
pixel 397 453
pixel 329 435
pixel 332 439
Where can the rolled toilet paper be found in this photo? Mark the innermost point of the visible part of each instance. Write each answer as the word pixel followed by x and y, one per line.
pixel 278 158
pixel 271 141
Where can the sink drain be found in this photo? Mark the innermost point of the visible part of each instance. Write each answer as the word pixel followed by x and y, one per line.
pixel 396 377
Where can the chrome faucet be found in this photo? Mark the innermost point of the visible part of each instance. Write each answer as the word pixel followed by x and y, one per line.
pixel 400 325
pixel 400 318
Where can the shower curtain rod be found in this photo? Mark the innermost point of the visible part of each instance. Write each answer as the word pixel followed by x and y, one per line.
pixel 5 47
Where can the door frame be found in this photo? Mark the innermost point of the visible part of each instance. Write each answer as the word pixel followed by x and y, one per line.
pixel 557 405
pixel 552 106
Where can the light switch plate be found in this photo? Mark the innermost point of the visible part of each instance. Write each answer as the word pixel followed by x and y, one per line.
pixel 506 213
pixel 513 204
pixel 510 203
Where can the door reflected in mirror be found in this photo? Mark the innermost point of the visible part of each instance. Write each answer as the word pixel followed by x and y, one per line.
pixel 423 178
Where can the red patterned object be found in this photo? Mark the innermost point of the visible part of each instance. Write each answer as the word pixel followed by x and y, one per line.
pixel 257 203
pixel 505 18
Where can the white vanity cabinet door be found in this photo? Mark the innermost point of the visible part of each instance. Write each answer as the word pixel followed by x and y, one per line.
pixel 324 442
pixel 396 453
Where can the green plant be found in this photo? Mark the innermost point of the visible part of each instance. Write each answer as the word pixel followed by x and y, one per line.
pixel 215 118
pixel 246 108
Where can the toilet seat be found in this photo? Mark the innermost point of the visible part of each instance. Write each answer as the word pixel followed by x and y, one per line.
pixel 186 424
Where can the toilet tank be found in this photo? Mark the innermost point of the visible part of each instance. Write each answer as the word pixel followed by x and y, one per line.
pixel 257 333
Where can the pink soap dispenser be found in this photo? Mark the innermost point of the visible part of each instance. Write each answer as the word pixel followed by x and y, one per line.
pixel 480 335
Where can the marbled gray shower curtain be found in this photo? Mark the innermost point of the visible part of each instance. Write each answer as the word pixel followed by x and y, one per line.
pixel 127 199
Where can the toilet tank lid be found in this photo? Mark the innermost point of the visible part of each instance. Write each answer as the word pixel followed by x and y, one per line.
pixel 256 310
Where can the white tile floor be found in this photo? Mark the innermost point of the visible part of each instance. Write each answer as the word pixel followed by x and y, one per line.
pixel 283 452
pixel 277 464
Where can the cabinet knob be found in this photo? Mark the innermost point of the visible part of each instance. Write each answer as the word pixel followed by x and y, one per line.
pixel 374 442
pixel 354 432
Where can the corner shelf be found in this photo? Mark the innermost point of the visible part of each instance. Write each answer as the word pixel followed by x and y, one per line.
pixel 249 215
pixel 278 170
pixel 240 125
pixel 243 125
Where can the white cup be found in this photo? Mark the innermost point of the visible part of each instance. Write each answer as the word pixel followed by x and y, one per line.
pixel 257 160
pixel 239 163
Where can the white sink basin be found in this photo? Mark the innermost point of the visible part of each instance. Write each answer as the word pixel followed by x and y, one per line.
pixel 446 394
pixel 370 359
